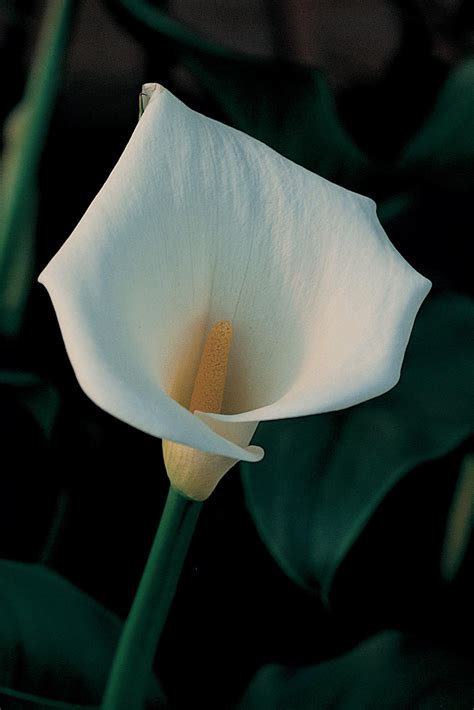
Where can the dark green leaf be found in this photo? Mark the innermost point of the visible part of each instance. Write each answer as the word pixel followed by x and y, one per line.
pixel 323 477
pixel 39 397
pixel 443 150
pixel 388 671
pixel 55 641
pixel 15 700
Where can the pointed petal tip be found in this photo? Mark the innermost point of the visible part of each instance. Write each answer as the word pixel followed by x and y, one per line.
pixel 258 452
pixel 151 86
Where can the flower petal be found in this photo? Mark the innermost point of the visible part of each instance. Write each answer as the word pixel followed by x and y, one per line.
pixel 350 320
pixel 198 223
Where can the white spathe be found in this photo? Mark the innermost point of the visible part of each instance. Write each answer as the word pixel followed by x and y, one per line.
pixel 198 223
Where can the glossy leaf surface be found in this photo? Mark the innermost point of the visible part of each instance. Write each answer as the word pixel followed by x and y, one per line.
pixel 324 476
pixel 56 642
pixel 387 671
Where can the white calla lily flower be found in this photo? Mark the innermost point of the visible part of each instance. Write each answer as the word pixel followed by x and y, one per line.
pixel 199 223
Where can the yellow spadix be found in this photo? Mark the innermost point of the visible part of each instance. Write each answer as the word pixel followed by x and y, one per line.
pixel 196 473
pixel 209 385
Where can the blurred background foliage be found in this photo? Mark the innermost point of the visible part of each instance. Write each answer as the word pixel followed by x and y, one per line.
pixel 339 575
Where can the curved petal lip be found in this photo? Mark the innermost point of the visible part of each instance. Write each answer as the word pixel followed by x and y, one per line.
pixel 85 278
pixel 301 403
pixel 156 413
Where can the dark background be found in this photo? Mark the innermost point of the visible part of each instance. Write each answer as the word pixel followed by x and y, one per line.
pixel 233 600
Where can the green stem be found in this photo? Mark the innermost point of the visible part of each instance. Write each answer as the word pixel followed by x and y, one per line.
pixel 133 662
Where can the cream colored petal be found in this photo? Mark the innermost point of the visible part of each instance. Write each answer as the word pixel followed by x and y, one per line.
pixel 198 223
pixel 347 323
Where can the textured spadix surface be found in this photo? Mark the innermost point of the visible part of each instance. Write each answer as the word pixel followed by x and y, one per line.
pixel 199 223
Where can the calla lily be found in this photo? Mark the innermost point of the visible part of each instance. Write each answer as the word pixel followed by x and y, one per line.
pixel 200 223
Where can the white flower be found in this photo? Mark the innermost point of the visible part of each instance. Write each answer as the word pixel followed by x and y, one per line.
pixel 199 223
